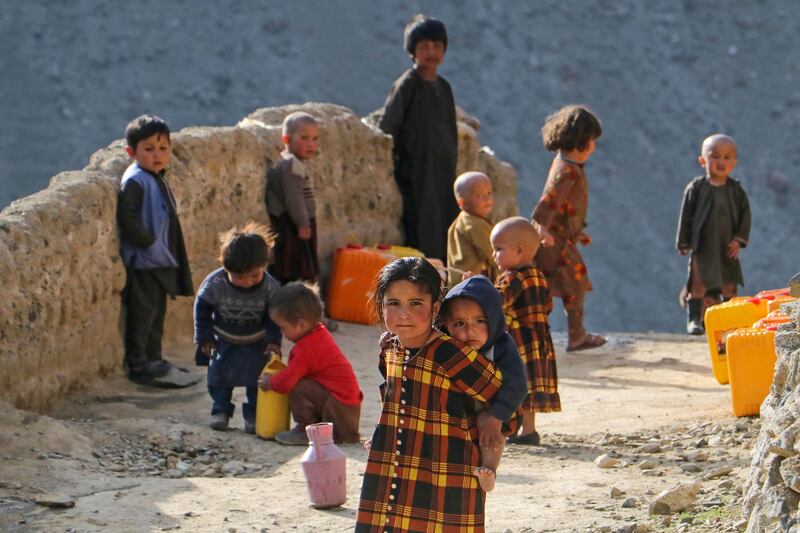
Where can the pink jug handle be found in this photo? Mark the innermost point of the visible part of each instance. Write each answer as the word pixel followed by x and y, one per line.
pixel 317 448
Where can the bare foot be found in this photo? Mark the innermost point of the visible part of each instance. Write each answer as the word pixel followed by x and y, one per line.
pixel 486 477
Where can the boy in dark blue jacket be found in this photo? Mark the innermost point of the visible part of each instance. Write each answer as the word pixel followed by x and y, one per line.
pixel 472 312
pixel 152 248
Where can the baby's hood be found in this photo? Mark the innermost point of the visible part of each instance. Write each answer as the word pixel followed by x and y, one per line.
pixel 481 290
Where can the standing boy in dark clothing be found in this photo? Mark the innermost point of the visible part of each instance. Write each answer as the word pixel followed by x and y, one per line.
pixel 420 114
pixel 714 224
pixel 152 248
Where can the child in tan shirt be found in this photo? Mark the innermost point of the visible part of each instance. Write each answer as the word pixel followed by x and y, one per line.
pixel 469 248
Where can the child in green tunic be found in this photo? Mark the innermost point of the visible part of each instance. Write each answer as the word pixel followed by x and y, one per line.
pixel 714 225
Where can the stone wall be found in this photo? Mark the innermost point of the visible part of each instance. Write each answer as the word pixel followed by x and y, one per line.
pixel 772 490
pixel 61 273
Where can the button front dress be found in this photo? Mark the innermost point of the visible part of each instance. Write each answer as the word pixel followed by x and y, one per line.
pixel 419 475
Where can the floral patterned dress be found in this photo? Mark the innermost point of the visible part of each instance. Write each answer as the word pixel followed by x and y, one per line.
pixel 562 209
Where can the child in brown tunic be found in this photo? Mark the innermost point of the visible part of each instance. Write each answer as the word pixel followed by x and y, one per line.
pixel 291 203
pixel 714 224
pixel 560 216
pixel 527 304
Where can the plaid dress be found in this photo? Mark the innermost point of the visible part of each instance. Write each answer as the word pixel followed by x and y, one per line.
pixel 527 303
pixel 418 476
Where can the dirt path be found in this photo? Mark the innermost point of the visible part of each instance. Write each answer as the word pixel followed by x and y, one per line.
pixel 133 459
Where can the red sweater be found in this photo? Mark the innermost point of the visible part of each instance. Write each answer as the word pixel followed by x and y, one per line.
pixel 316 356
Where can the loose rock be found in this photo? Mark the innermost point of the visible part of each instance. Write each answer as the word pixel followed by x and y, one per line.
pixel 58 501
pixel 675 499
pixel 606 461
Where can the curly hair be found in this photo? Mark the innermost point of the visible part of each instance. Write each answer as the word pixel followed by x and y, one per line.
pixel 570 128
pixel 242 249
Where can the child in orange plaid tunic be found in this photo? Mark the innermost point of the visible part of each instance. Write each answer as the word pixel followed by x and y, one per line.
pixel 527 304
pixel 419 474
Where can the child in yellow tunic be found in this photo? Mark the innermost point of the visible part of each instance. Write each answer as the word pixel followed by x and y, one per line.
pixel 419 474
pixel 469 248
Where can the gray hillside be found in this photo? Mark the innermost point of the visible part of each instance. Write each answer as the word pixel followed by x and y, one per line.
pixel 661 75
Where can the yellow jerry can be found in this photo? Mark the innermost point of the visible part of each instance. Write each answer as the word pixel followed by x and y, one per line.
pixel 751 365
pixel 722 320
pixel 272 408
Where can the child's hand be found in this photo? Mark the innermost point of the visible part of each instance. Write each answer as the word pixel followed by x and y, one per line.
pixel 733 249
pixel 547 238
pixel 683 251
pixel 584 239
pixel 368 444
pixel 304 233
pixel 272 347
pixel 467 274
pixel 207 347
pixel 489 432
pixel 264 382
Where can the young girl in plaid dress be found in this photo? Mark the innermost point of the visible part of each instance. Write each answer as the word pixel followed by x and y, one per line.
pixel 424 451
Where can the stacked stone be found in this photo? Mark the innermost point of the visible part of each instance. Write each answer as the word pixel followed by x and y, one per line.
pixel 60 269
pixel 772 490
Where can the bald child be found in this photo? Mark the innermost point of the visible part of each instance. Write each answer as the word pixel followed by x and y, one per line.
pixel 527 304
pixel 469 249
pixel 714 225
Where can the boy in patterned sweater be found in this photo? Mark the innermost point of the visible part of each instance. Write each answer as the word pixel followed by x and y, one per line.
pixel 527 304
pixel 232 328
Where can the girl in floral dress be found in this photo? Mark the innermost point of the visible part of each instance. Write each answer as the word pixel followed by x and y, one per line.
pixel 560 216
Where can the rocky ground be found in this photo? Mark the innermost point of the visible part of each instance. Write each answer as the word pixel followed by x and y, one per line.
pixel 641 416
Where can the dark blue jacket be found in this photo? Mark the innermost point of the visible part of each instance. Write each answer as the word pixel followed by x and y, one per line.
pixel 505 354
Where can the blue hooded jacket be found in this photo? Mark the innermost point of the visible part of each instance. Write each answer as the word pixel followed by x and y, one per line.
pixel 505 354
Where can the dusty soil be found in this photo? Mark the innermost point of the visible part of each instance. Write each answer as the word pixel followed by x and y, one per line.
pixel 136 459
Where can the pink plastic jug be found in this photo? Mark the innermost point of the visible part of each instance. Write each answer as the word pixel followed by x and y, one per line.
pixel 325 467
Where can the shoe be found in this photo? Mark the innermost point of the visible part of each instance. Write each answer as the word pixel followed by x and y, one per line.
pixel 589 342
pixel 694 328
pixel 219 422
pixel 330 324
pixel 293 437
pixel 150 373
pixel 530 439
pixel 694 324
pixel 250 426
